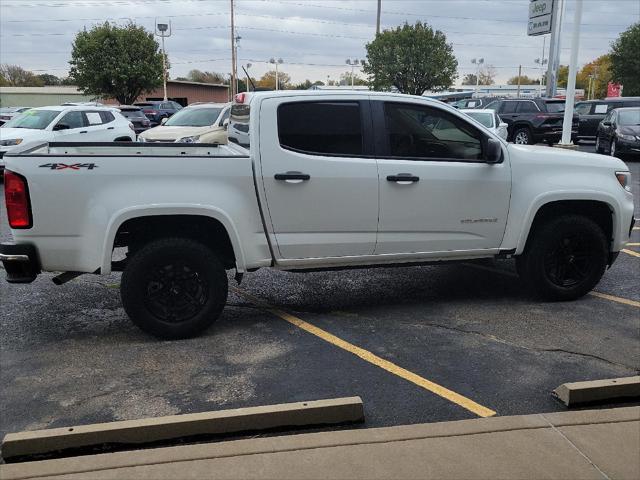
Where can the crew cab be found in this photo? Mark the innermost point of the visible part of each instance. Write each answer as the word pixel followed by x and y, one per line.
pixel 331 180
pixel 533 120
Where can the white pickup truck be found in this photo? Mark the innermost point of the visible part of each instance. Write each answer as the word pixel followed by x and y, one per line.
pixel 331 180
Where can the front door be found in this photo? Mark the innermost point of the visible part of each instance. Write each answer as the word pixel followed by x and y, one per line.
pixel 320 176
pixel 436 192
pixel 75 128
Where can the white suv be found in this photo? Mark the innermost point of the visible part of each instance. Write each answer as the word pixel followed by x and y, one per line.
pixel 65 123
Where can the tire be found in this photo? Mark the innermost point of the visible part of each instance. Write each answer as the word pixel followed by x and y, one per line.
pixel 174 288
pixel 565 258
pixel 613 149
pixel 598 145
pixel 522 136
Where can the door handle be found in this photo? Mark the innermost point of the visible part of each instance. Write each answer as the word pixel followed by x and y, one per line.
pixel 292 177
pixel 83 131
pixel 110 128
pixel 403 178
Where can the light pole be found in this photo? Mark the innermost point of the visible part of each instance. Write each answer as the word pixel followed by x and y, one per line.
pixel 354 63
pixel 164 30
pixel 570 97
pixel 478 62
pixel 277 62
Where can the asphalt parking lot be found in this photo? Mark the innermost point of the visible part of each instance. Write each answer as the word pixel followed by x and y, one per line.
pixel 418 344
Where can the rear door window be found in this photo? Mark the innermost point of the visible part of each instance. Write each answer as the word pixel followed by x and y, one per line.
pixel 601 108
pixel 321 128
pixel 508 107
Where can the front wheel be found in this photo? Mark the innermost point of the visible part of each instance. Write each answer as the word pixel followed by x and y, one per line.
pixel 565 259
pixel 522 136
pixel 598 145
pixel 174 288
pixel 613 148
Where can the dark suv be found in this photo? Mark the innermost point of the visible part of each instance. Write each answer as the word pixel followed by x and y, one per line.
pixel 533 120
pixel 591 113
pixel 136 117
pixel 157 110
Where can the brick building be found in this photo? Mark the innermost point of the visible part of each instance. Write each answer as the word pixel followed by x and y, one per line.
pixel 186 93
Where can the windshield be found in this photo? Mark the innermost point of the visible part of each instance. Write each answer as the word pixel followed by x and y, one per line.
pixel 196 117
pixel 132 113
pixel 485 119
pixel 555 107
pixel 629 117
pixel 35 119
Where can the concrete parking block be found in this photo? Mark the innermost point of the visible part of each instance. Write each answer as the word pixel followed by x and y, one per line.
pixel 319 412
pixel 598 390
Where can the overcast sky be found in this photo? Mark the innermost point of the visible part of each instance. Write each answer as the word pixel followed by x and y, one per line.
pixel 313 37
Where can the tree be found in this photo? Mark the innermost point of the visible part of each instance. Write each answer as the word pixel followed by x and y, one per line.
pixel 563 75
pixel 48 79
pixel 268 80
pixel 116 62
pixel 17 76
pixel 625 60
pixel 413 58
pixel 3 81
pixel 345 79
pixel 600 72
pixel 524 80
pixel 206 77
pixel 487 75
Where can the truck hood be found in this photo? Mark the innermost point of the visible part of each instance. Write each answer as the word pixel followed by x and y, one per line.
pixel 543 155
pixel 163 132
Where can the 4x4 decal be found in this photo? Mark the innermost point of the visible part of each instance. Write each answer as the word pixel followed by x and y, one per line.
pixel 73 166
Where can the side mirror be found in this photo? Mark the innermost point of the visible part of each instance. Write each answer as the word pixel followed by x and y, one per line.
pixel 225 123
pixel 163 121
pixel 606 124
pixel 503 125
pixel 494 151
pixel 60 126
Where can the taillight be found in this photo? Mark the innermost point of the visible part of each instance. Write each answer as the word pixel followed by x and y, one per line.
pixel 240 97
pixel 16 194
pixel 131 126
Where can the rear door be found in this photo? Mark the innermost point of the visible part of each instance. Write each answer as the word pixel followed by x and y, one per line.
pixel 319 175
pixel 508 112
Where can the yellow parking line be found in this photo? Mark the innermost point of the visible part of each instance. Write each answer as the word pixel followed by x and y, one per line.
pixel 633 244
pixel 367 356
pixel 613 298
pixel 606 296
pixel 630 252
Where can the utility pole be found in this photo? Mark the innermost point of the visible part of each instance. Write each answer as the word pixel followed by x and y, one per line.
pixel 571 82
pixel 519 78
pixel 233 54
pixel 378 17
pixel 478 62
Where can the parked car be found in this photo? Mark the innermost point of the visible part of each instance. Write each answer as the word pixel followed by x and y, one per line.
pixel 490 119
pixel 619 132
pixel 333 180
pixel 136 117
pixel 533 120
pixel 64 124
pixel 157 110
pixel 473 102
pixel 592 112
pixel 201 123
pixel 7 113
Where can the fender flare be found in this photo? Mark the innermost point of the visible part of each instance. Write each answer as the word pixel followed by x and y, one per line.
pixel 139 211
pixel 559 196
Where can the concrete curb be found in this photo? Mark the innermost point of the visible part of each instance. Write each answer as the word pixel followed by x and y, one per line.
pixel 148 430
pixel 598 390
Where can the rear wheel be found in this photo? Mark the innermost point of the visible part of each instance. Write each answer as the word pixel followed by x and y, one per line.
pixel 522 136
pixel 565 258
pixel 598 145
pixel 174 288
pixel 613 148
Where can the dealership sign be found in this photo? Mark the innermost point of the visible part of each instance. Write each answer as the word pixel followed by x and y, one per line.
pixel 540 17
